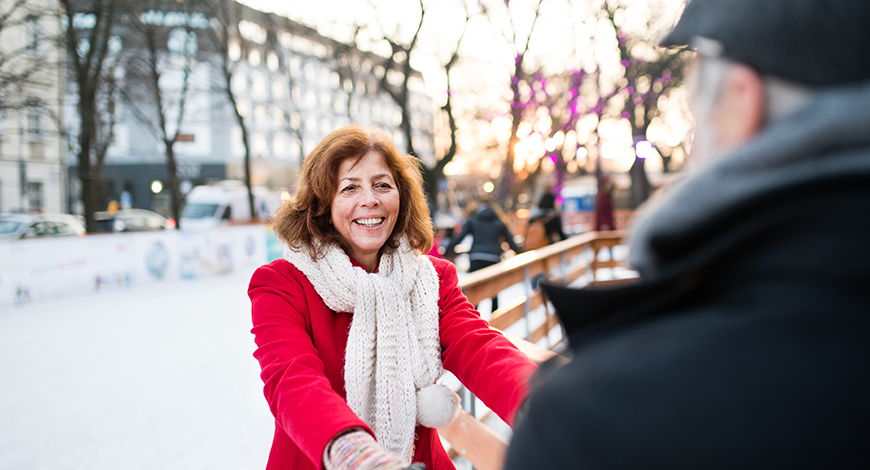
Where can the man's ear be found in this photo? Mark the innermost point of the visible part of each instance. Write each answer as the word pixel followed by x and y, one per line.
pixel 741 108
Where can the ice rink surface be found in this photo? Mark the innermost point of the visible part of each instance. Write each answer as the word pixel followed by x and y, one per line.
pixel 159 378
pixel 156 377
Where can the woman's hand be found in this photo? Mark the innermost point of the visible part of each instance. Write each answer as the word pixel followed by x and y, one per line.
pixel 358 450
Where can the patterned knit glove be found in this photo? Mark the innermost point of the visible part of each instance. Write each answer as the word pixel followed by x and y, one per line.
pixel 358 450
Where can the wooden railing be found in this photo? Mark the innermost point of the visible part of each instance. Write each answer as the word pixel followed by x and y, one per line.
pixel 563 262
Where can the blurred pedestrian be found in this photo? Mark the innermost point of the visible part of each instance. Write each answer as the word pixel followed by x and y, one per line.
pixel 354 325
pixel 489 234
pixel 545 224
pixel 604 204
pixel 744 344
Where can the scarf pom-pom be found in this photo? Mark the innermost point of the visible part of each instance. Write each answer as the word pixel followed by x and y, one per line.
pixel 437 406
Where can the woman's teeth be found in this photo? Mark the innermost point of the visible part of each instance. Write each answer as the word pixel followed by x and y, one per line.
pixel 369 222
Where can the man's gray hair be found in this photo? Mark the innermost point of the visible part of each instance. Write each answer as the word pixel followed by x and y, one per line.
pixel 782 97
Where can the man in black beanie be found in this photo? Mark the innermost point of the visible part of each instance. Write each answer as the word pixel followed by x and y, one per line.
pixel 746 342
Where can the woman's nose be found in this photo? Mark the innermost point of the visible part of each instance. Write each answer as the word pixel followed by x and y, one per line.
pixel 370 198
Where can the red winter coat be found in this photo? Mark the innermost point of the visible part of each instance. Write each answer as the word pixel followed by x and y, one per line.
pixel 301 344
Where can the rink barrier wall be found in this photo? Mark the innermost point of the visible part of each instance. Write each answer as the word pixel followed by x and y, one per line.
pixel 37 270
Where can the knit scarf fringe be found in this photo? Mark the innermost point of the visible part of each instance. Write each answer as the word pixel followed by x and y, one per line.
pixel 393 347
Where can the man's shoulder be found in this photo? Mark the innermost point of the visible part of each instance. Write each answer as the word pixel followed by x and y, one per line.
pixel 689 387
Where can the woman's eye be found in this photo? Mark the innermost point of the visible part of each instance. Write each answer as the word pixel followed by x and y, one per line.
pixel 383 186
pixel 348 188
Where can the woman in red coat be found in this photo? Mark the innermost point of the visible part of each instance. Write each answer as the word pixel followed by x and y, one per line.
pixel 354 325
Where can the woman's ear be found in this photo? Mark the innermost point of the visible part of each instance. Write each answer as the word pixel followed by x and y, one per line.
pixel 741 106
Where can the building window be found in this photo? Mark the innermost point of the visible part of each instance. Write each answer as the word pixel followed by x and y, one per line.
pixel 258 86
pixel 260 113
pixel 182 43
pixel 278 148
pixel 37 150
pixel 242 107
pixel 34 125
pixel 277 90
pixel 254 57
pixel 252 31
pixel 285 39
pixel 34 196
pixel 234 51
pixel 272 61
pixel 325 126
pixel 239 83
pixel 295 151
pixel 261 145
pixel 34 36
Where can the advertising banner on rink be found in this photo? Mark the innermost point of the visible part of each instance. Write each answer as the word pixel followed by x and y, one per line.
pixel 52 268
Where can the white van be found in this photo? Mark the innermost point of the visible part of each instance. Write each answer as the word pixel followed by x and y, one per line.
pixel 224 202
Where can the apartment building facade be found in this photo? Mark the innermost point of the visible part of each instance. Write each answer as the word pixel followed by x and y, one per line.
pixel 32 78
pixel 292 86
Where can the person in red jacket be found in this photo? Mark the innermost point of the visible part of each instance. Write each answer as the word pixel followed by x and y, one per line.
pixel 354 326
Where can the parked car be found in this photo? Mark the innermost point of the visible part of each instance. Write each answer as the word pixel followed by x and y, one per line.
pixel 16 226
pixel 130 220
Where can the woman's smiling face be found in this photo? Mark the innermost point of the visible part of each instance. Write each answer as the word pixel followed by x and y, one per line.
pixel 365 208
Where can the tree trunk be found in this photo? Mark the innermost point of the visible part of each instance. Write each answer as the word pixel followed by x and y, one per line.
pixel 640 186
pixel 248 170
pixel 174 183
pixel 86 107
pixel 508 177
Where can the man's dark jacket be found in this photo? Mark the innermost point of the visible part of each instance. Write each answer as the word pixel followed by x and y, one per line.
pixel 746 344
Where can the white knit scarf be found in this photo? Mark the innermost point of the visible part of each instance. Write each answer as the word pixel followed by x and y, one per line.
pixel 393 347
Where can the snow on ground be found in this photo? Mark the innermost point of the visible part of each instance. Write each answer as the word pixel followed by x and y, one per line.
pixel 158 377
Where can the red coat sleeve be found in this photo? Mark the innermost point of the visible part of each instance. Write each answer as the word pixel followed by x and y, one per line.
pixel 289 320
pixel 481 357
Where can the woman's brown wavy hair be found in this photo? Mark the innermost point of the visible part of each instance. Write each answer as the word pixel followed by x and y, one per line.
pixel 307 217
